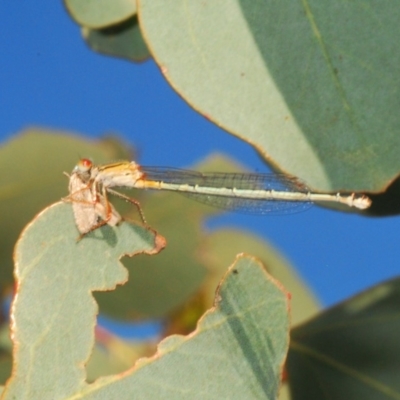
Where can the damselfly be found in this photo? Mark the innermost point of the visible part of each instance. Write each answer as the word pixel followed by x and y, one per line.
pixel 244 192
pixel 91 209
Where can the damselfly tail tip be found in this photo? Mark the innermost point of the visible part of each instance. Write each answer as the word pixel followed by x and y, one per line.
pixel 361 202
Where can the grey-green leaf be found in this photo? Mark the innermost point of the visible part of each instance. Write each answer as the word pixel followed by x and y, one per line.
pixel 312 85
pixel 123 40
pixel 236 352
pixel 53 312
pixel 351 351
pixel 100 13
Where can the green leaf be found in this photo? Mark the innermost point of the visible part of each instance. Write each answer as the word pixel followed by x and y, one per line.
pixel 221 246
pixel 351 351
pixel 236 352
pixel 245 335
pixel 123 40
pixel 54 312
pixel 100 13
pixel 35 161
pixel 310 84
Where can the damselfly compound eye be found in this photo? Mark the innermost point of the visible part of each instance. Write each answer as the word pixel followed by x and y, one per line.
pixel 84 165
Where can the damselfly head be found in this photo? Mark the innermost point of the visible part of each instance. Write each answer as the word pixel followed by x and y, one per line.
pixel 83 169
pixel 84 165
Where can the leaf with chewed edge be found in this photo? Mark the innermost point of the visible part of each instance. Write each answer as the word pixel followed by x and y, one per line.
pixel 35 160
pixel 237 351
pixel 54 312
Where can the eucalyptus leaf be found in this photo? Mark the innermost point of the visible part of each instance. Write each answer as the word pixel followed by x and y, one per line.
pixel 245 336
pixel 350 351
pixel 123 40
pixel 53 312
pixel 100 13
pixel 312 85
pixel 236 352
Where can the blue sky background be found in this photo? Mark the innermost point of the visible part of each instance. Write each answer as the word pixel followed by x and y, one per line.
pixel 48 77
